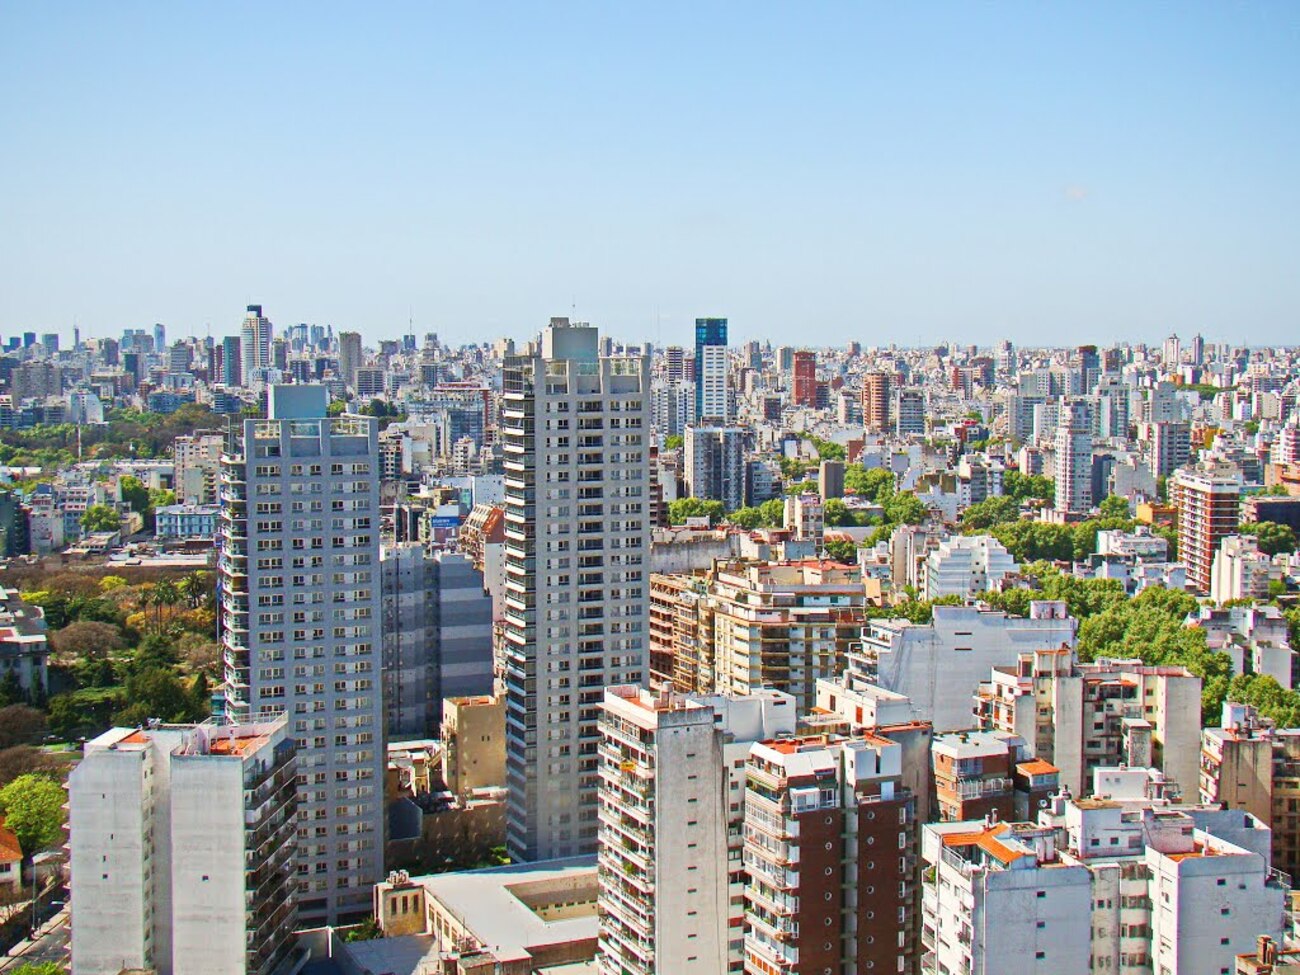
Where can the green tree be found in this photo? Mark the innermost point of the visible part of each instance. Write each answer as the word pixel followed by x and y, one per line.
pixel 100 518
pixel 1114 506
pixel 674 442
pixel 1023 487
pixel 134 493
pixel 33 810
pixel 826 449
pixel 989 512
pixel 159 693
pixel 876 484
pixel 336 408
pixel 37 968
pixel 750 518
pixel 1273 538
pixel 905 508
pixel 842 550
pixel 773 512
pixel 683 508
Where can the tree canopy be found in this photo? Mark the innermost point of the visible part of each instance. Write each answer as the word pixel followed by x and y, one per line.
pixel 33 810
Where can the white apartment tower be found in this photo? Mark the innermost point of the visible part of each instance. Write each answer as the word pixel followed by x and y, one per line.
pixel 254 343
pixel 183 849
pixel 300 626
pixel 1074 459
pixel 672 771
pixel 577 527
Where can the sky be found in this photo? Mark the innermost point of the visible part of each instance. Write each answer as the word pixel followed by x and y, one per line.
pixel 817 173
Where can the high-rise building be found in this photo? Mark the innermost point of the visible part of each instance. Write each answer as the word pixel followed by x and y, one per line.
pixel 159 336
pixel 1207 498
pixel 1171 352
pixel 1197 349
pixel 1074 459
pixel 197 460
pixel 183 850
pixel 830 479
pixel 715 464
pixel 350 359
pixel 437 624
pixel 232 361
pixel 805 378
pixel 575 428
pixel 1170 444
pixel 712 399
pixel 674 364
pixel 300 625
pixel 671 792
pixel 909 412
pixel 254 344
pixel 830 857
pixel 876 402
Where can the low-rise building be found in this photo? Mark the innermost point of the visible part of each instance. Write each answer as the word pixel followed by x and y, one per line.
pixel 185 521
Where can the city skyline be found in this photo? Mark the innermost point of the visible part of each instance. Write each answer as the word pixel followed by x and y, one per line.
pixel 848 173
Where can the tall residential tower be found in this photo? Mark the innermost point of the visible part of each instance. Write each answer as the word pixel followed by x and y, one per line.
pixel 577 479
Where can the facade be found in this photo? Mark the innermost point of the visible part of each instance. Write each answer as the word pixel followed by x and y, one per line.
pixel 805 379
pixel 1074 459
pixel 197 461
pixel 24 643
pixel 877 398
pixel 1207 501
pixel 183 850
pixel 1249 766
pixel 437 636
pixel 300 625
pixel 577 478
pixel 830 856
pixel 1241 571
pixel 1081 716
pixel 938 665
pixel 805 516
pixel 1139 544
pixel 1097 885
pixel 350 357
pixel 184 521
pixel 672 781
pixel 966 565
pixel 1171 445
pixel 712 398
pixel 254 344
pixel 909 412
pixel 473 743
pixel 715 464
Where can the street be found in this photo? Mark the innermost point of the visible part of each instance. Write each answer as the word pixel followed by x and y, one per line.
pixel 51 945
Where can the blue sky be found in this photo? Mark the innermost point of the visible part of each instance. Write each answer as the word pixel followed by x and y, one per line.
pixel 815 172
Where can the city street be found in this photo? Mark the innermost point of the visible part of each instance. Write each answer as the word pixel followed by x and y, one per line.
pixel 51 945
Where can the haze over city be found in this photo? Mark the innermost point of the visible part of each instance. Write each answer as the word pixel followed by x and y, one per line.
pixel 845 172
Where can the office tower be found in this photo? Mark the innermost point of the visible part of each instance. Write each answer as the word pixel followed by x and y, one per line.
pixel 437 626
pixel 183 850
pixel 1087 364
pixel 830 856
pixel 830 479
pixel 1171 445
pixel 1074 459
pixel 671 791
pixel 29 339
pixel 577 480
pixel 349 357
pixel 715 464
pixel 300 624
pixel 785 358
pixel 232 361
pixel 876 402
pixel 1162 403
pixel 1207 499
pixel 368 382
pixel 178 358
pixel 1198 349
pixel 109 351
pixel 909 412
pixel 50 343
pixel 805 379
pixel 754 356
pixel 711 401
pixel 254 344
pixel 159 337
pixel 280 353
pixel 674 364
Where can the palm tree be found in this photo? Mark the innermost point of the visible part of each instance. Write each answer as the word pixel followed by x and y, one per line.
pixel 193 587
pixel 165 593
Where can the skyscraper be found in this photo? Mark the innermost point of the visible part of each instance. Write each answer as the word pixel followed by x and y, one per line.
pixel 300 624
pixel 876 401
pixel 349 356
pixel 577 480
pixel 1074 459
pixel 254 343
pixel 711 369
pixel 715 464
pixel 232 361
pixel 1207 498
pixel 805 378
pixel 159 336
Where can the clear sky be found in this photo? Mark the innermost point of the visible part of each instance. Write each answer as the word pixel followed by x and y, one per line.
pixel 1046 172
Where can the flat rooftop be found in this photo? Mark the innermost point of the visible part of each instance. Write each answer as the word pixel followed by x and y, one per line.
pixel 513 908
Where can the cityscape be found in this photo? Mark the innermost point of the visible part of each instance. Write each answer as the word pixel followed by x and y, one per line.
pixel 575 490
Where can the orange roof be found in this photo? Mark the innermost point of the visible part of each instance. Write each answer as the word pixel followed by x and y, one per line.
pixel 9 848
pixel 236 746
pixel 1037 766
pixel 987 840
pixel 137 737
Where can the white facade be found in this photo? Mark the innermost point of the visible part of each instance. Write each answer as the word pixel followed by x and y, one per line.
pixel 575 433
pixel 183 848
pixel 672 769
pixel 966 565
pixel 939 665
pixel 1241 570
pixel 1074 459
pixel 254 344
pixel 711 383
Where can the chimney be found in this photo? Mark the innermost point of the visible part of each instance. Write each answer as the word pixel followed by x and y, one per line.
pixel 1266 951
